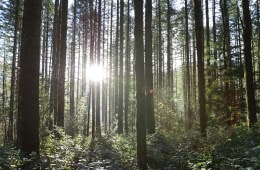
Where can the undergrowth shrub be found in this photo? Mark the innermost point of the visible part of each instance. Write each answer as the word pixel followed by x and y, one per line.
pixel 9 157
pixel 124 147
pixel 241 150
pixel 59 150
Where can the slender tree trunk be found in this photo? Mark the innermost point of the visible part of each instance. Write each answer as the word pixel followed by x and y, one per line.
pixel 208 57
pixel 258 34
pixel 121 71
pixel 89 105
pixel 111 101
pixel 98 124
pixel 62 63
pixel 200 57
pixel 149 68
pixel 83 74
pixel 250 90
pixel 47 49
pixel 214 77
pixel 127 68
pixel 160 59
pixel 226 56
pixel 187 52
pixel 72 73
pixel 169 54
pixel 92 84
pixel 55 65
pixel 105 62
pixel 6 134
pixel 116 97
pixel 78 98
pixel 12 88
pixel 194 71
pixel 140 86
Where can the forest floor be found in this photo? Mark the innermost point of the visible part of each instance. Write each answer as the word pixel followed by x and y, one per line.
pixel 224 148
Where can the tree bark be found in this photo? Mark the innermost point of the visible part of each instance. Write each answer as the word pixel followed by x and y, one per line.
pixel 12 88
pixel 140 86
pixel 121 70
pixel 29 78
pixel 188 77
pixel 72 73
pixel 127 69
pixel 250 89
pixel 200 58
pixel 149 68
pixel 62 63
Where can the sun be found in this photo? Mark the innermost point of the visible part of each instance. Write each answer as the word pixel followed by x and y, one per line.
pixel 96 73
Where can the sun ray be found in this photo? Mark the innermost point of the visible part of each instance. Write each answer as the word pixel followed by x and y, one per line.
pixel 95 73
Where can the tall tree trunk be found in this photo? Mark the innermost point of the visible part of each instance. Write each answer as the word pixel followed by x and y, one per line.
pixel 83 74
pixel 169 54
pixel 208 57
pixel 62 63
pixel 149 68
pixel 121 70
pixel 140 86
pixel 258 34
pixel 104 82
pixel 194 71
pixel 78 80
pixel 227 59
pixel 55 64
pixel 200 58
pixel 111 101
pixel 29 77
pixel 214 30
pixel 160 58
pixel 72 73
pixel 187 52
pixel 98 126
pixel 12 88
pixel 92 84
pixel 127 68
pixel 116 63
pixel 6 134
pixel 250 90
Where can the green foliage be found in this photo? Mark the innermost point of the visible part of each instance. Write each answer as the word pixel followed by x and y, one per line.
pixel 59 150
pixel 125 147
pixel 9 158
pixel 223 148
pixel 241 150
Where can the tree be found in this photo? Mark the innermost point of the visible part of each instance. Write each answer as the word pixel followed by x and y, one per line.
pixel 62 62
pixel 140 86
pixel 28 106
pixel 121 70
pixel 55 63
pixel 187 52
pixel 208 55
pixel 98 126
pixel 12 90
pixel 226 57
pixel 149 68
pixel 116 95
pixel 160 57
pixel 72 72
pixel 250 90
pixel 127 68
pixel 200 57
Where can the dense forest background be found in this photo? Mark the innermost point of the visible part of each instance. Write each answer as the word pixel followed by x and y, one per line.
pixel 126 84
